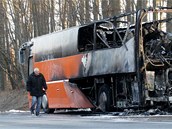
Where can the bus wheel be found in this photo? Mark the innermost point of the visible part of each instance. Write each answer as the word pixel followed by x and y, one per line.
pixel 104 95
pixel 45 107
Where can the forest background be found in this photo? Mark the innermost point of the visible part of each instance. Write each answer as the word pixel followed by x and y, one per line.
pixel 22 20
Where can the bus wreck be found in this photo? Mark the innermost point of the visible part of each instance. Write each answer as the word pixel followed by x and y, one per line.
pixel 108 64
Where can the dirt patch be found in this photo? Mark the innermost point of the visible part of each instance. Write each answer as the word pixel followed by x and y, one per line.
pixel 13 99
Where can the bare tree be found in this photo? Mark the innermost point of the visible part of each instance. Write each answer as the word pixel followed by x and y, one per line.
pixel 96 13
pixel 105 8
pixel 52 15
pixel 115 8
pixel 62 4
pixel 71 15
pixel 81 11
pixel 169 4
pixel 2 17
pixel 87 11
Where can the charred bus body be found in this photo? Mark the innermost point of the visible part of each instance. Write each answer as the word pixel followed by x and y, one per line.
pixel 106 66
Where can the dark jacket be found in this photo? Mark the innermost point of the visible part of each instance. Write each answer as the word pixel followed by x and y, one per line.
pixel 35 84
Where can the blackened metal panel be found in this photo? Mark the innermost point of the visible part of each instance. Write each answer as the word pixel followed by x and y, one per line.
pixel 94 63
pixel 55 45
pixel 109 61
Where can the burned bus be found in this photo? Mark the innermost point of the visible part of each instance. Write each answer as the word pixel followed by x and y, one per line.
pixel 107 64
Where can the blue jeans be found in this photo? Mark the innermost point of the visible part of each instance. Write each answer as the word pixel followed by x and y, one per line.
pixel 36 101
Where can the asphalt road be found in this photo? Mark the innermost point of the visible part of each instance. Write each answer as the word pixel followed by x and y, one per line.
pixel 23 120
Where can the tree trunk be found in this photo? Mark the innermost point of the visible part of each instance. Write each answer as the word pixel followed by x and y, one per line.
pixel 169 28
pixel 71 13
pixel 81 12
pixel 87 12
pixel 2 16
pixel 96 9
pixel 52 20
pixel 62 8
pixel 105 9
pixel 115 7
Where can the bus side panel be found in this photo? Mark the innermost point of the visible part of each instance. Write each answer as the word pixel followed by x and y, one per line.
pixel 66 95
pixel 94 63
pixel 60 68
pixel 109 61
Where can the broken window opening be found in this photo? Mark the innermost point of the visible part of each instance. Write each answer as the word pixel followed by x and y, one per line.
pixel 157 43
pixel 105 38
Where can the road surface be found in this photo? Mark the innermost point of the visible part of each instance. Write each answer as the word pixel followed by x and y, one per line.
pixel 24 120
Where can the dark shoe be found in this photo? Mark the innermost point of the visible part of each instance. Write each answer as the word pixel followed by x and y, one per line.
pixel 37 114
pixel 32 112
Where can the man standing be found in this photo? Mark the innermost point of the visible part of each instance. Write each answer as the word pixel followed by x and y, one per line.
pixel 36 85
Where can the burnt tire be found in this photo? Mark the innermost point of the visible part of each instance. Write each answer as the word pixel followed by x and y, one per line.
pixel 104 98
